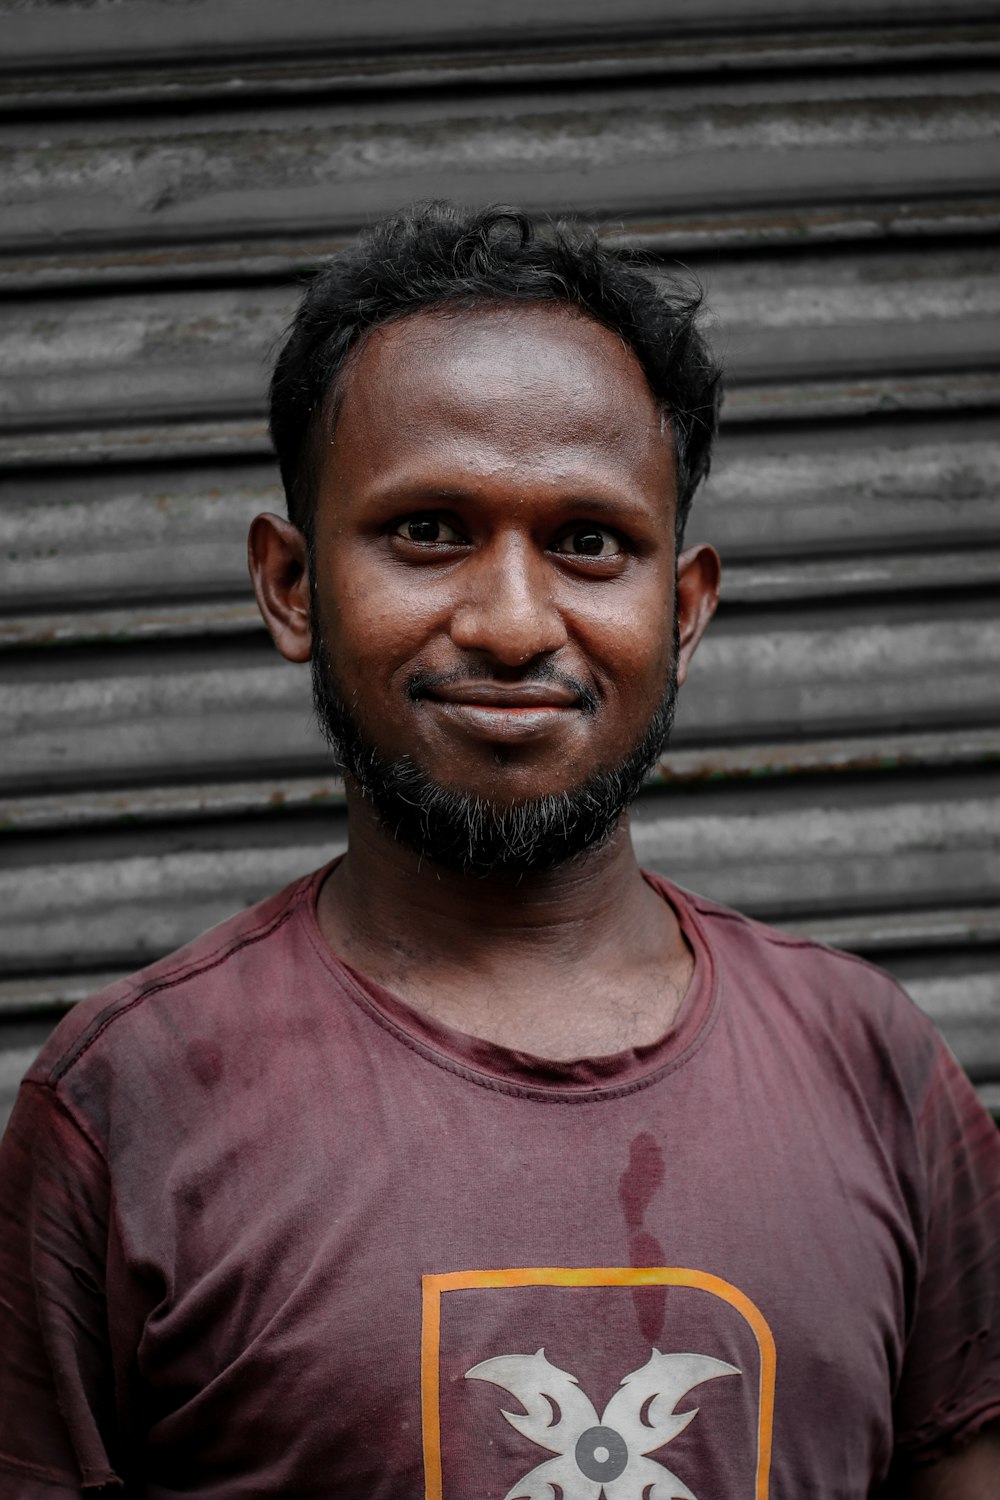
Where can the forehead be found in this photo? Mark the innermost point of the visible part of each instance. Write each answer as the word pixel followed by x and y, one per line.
pixel 514 383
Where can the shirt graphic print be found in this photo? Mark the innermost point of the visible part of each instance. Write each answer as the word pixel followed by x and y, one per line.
pixel 338 1182
pixel 589 1409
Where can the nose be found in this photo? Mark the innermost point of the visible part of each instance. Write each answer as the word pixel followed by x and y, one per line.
pixel 508 611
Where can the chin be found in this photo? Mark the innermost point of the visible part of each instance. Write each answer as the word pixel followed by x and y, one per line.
pixel 508 815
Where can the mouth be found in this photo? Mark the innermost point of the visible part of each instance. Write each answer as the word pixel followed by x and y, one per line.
pixel 506 695
pixel 501 711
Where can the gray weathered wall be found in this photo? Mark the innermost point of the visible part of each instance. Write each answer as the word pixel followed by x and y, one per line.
pixel 831 173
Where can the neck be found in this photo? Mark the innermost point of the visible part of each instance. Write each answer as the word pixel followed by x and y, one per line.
pixel 582 960
pixel 385 901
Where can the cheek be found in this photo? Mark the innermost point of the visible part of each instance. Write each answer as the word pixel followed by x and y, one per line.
pixel 374 623
pixel 631 650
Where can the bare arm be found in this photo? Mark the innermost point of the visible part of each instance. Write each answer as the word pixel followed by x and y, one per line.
pixel 970 1473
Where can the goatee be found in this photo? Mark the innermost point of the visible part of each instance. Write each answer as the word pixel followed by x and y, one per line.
pixel 469 831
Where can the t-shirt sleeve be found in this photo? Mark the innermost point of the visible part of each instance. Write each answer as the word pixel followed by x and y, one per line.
pixel 950 1384
pixel 56 1379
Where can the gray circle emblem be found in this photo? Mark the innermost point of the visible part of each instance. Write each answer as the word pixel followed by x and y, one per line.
pixel 601 1453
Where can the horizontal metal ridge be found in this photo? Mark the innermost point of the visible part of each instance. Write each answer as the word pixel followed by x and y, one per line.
pixel 50 992
pixel 75 35
pixel 145 442
pixel 831 332
pixel 280 77
pixel 140 622
pixel 820 853
pixel 85 538
pixel 246 437
pixel 229 706
pixel 755 582
pixel 883 753
pixel 812 400
pixel 132 805
pixel 271 257
pixel 884 934
pixel 949 749
pixel 853 575
pixel 682 146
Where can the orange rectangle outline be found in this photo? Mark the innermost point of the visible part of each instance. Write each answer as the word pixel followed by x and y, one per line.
pixel 568 1276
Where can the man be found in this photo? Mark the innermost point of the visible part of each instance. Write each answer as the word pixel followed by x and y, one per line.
pixel 480 1164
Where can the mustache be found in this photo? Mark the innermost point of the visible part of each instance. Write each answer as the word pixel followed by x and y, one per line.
pixel 422 684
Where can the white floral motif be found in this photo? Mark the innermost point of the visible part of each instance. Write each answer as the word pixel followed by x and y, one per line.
pixel 600 1455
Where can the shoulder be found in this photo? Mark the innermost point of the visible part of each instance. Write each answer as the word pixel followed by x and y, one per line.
pixel 786 957
pixel 824 1003
pixel 213 985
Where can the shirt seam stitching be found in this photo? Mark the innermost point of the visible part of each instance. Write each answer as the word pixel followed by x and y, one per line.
pixel 779 939
pixel 55 1476
pixel 537 1094
pixel 982 1401
pixel 66 1109
pixel 170 981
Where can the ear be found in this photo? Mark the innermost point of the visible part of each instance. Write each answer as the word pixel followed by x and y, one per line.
pixel 279 567
pixel 698 573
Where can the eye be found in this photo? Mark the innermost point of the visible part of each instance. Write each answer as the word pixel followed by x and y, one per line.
pixel 588 541
pixel 427 530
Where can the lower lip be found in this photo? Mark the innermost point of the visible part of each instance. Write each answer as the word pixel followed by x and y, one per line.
pixel 487 721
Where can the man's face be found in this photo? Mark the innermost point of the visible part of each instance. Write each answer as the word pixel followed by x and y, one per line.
pixel 493 563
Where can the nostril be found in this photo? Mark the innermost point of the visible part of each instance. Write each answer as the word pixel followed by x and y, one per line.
pixel 510 625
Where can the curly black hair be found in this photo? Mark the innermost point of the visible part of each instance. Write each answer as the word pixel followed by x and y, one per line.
pixel 434 254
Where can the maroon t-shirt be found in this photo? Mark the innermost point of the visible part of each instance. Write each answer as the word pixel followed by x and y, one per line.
pixel 267 1231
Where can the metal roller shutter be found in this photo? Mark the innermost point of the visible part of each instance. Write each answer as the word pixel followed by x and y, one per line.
pixel 830 173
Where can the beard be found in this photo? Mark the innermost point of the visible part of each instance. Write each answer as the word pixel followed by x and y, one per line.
pixel 469 831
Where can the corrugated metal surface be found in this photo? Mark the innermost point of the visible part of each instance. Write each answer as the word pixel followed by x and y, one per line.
pixel 830 173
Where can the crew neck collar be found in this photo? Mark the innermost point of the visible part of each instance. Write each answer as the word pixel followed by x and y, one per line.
pixel 512 1071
